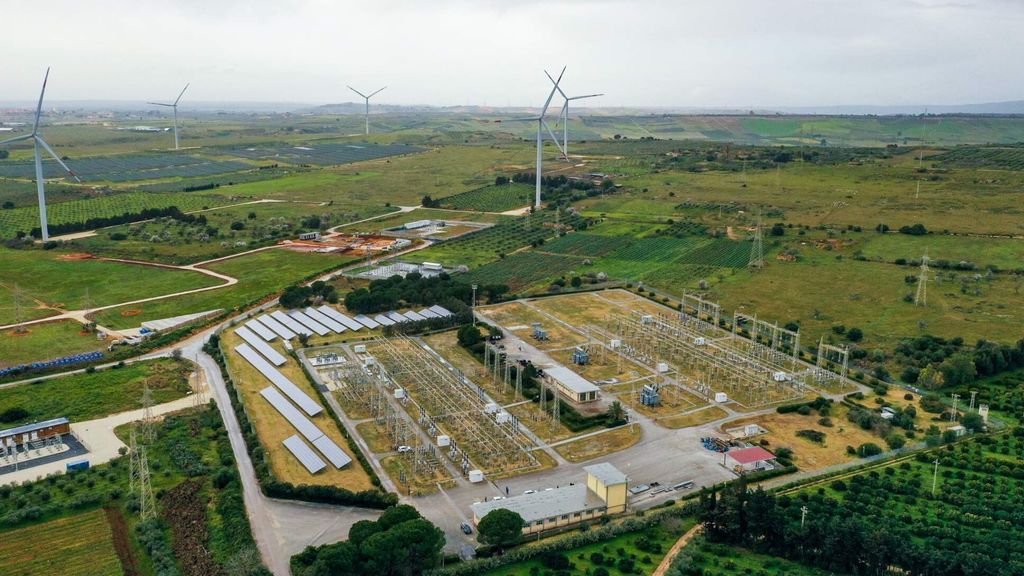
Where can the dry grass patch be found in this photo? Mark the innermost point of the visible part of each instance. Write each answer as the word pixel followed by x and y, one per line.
pixel 374 436
pixel 600 444
pixel 693 418
pixel 517 318
pixel 272 428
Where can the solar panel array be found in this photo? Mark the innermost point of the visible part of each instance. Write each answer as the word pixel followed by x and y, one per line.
pixel 127 167
pixel 308 405
pixel 278 328
pixel 304 454
pixel 306 427
pixel 327 321
pixel 260 346
pixel 308 322
pixel 290 323
pixel 324 154
pixel 258 327
pixel 367 321
pixel 339 317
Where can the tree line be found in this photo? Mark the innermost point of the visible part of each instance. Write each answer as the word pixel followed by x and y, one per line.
pixel 416 289
pixel 126 218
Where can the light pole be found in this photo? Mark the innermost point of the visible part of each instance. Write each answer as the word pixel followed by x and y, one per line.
pixel 473 305
pixel 935 476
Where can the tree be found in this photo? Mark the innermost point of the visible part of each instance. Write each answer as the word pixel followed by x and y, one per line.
pixel 576 281
pixel 336 560
pixel 396 515
pixel 405 549
pixel 362 530
pixel 854 334
pixel 251 216
pixel 500 528
pixel 778 229
pixel 8 204
pixel 469 336
pixel 973 422
pixel 616 413
pixel 868 449
pixel 238 225
pixel 958 369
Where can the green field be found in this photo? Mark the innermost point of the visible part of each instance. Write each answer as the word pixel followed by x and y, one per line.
pixel 492 198
pixel 1000 253
pixel 78 545
pixel 260 274
pixel 25 218
pixel 81 397
pixel 45 282
pixel 522 269
pixel 730 560
pixel 46 341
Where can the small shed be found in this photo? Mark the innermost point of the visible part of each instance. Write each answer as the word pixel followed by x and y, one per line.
pixel 748 459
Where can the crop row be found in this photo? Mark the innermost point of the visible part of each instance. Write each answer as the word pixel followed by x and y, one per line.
pixel 1003 157
pixel 658 249
pixel 79 545
pixel 25 218
pixel 492 198
pixel 585 244
pixel 723 253
pixel 125 167
pixel 324 154
pixel 510 234
pixel 522 269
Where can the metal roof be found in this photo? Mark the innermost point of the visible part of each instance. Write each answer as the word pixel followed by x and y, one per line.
pixel 341 318
pixel 278 328
pixel 32 427
pixel 261 346
pixel 382 319
pixel 414 316
pixel 334 453
pixel 606 473
pixel 308 322
pixel 428 313
pixel 750 455
pixel 308 405
pixel 571 380
pixel 544 504
pixel 326 320
pixel 304 425
pixel 304 453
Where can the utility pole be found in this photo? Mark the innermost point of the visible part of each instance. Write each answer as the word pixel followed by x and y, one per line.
pixel 472 306
pixel 803 515
pixel 935 476
pixel 757 248
pixel 973 394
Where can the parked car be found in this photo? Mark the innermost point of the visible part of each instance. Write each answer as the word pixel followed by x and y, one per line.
pixel 466 528
pixel 530 492
pixel 404 449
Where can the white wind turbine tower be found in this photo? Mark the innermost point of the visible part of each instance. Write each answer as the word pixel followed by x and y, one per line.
pixel 173 106
pixel 38 142
pixel 367 99
pixel 564 114
pixel 542 125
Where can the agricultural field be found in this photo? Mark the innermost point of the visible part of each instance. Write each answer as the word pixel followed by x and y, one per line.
pixel 39 283
pixel 46 341
pixel 259 274
pixel 1006 157
pixel 323 153
pixel 492 198
pixel 522 269
pixel 79 545
pixel 85 396
pixel 26 218
pixel 731 560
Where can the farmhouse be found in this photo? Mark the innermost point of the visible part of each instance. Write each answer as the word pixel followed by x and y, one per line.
pixel 571 385
pixel 748 459
pixel 602 495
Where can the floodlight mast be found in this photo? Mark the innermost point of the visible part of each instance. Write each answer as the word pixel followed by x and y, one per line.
pixel 174 107
pixel 38 143
pixel 367 101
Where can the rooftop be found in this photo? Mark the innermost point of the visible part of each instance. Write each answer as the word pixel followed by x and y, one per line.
pixel 32 427
pixel 571 380
pixel 750 455
pixel 544 504
pixel 606 473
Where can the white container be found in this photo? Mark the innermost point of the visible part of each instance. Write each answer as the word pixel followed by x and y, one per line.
pixel 647 319
pixel 721 397
pixel 616 343
pixel 476 476
pixel 662 367
pixel 751 430
pixel 491 408
pixel 503 417
pixel 781 377
pixel 444 440
pixel 700 341
pixel 399 393
pixel 359 348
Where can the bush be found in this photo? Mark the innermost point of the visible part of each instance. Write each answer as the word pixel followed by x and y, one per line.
pixel 868 449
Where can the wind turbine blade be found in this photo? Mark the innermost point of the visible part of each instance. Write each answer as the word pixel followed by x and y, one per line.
pixel 553 137
pixel 530 119
pixel 357 91
pixel 586 96
pixel 16 139
pixel 556 84
pixel 160 104
pixel 57 158
pixel 552 94
pixel 39 107
pixel 182 93
pixel 377 92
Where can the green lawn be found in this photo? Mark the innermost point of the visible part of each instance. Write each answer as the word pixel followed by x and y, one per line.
pixel 46 341
pixel 81 397
pixel 260 274
pixel 43 278
pixel 1003 253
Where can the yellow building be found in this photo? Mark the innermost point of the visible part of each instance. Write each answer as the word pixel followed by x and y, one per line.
pixel 604 493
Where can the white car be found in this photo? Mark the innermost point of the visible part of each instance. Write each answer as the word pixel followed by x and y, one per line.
pixel 404 449
pixel 530 492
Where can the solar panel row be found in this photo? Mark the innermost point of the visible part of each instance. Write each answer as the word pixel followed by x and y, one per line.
pixel 290 323
pixel 308 322
pixel 367 321
pixel 261 346
pixel 348 322
pixel 304 454
pixel 258 327
pixel 276 326
pixel 322 318
pixel 308 405
pixel 307 428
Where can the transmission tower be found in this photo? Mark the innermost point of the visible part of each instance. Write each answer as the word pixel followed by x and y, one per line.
pixel 757 248
pixel 921 299
pixel 147 504
pixel 148 431
pixel 133 460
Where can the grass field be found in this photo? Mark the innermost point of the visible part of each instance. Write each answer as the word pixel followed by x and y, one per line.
pixel 46 341
pixel 81 397
pixel 1001 253
pixel 492 198
pixel 45 281
pixel 693 418
pixel 522 269
pixel 600 444
pixel 25 218
pixel 259 274
pixel 272 427
pixel 78 545
pixel 729 560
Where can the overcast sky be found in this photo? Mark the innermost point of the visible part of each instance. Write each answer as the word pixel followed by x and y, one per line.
pixel 444 52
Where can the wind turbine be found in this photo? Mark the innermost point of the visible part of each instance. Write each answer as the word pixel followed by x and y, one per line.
pixel 541 125
pixel 367 99
pixel 173 106
pixel 564 114
pixel 38 141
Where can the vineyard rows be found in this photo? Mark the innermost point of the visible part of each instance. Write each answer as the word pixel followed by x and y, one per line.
pixel 522 269
pixel 125 168
pixel 1003 157
pixel 80 545
pixel 584 244
pixel 26 218
pixel 723 253
pixel 324 154
pixel 658 249
pixel 492 198
pixel 509 234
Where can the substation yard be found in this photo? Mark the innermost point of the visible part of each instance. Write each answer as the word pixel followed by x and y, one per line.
pixel 632 341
